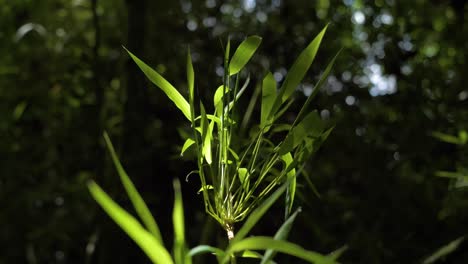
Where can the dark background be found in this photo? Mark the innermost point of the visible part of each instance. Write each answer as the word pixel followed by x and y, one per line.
pixel 64 78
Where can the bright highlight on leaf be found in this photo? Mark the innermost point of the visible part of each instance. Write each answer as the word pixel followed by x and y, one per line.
pixel 147 242
pixel 164 85
pixel 244 52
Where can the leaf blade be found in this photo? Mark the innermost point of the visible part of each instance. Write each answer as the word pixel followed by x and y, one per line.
pixel 147 242
pixel 164 85
pixel 243 54
pixel 138 203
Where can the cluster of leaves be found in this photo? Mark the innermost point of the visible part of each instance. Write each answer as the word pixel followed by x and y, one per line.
pixel 237 170
pixel 240 178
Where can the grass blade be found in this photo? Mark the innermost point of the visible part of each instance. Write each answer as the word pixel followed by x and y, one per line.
pixel 291 177
pixel 243 54
pixel 164 85
pixel 311 125
pixel 281 234
pixel 265 243
pixel 179 226
pixel 138 203
pixel 300 67
pixel 146 241
pixel 268 97
pixel 444 251
pixel 317 87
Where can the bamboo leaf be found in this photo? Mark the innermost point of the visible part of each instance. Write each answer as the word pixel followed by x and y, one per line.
pixel 255 216
pixel 190 74
pixel 291 177
pixel 243 177
pixel 203 249
pixel 243 54
pixel 146 241
pixel 189 142
pixel 281 234
pixel 444 251
pixel 268 97
pixel 297 72
pixel 179 228
pixel 317 87
pixel 312 125
pixel 207 129
pixel 138 203
pixel 265 243
pixel 300 67
pixel 164 85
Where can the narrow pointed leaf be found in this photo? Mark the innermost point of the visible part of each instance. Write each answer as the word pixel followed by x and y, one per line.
pixel 444 251
pixel 312 125
pixel 281 234
pixel 178 222
pixel 268 97
pixel 317 87
pixel 243 53
pixel 255 216
pixel 190 74
pixel 265 243
pixel 164 85
pixel 189 142
pixel 203 249
pixel 138 203
pixel 301 66
pixel 291 177
pixel 146 241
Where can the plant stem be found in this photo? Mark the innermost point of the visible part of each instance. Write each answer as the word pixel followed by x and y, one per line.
pixel 230 235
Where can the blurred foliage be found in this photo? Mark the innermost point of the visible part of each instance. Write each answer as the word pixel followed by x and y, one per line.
pixel 64 79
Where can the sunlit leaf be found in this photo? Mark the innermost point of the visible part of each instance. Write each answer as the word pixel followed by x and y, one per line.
pixel 179 226
pixel 138 203
pixel 243 53
pixel 268 97
pixel 189 142
pixel 317 87
pixel 311 125
pixel 164 85
pixel 265 243
pixel 291 176
pixel 146 241
pixel 302 64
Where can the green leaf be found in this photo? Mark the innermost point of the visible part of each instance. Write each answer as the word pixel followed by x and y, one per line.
pixel 255 216
pixel 138 203
pixel 189 142
pixel 297 72
pixel 300 67
pixel 190 74
pixel 178 222
pixel 203 249
pixel 206 187
pixel 268 97
pixel 265 243
pixel 312 125
pixel 243 54
pixel 281 234
pixel 146 241
pixel 164 85
pixel 317 87
pixel 243 177
pixel 250 254
pixel 291 177
pixel 447 138
pixel 207 129
pixel 444 251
